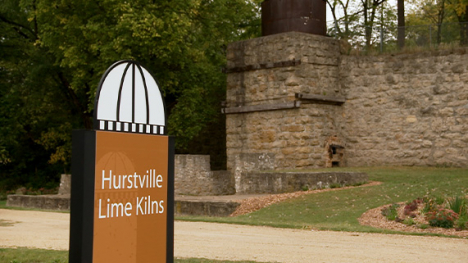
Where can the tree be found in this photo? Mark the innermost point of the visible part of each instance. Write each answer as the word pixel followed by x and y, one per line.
pixel 346 19
pixel 460 8
pixel 358 19
pixel 369 10
pixel 448 16
pixel 54 52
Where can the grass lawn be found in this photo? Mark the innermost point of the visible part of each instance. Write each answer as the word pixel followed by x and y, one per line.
pixel 25 255
pixel 340 210
pixel 337 210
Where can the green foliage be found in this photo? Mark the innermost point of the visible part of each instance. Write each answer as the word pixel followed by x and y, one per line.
pixel 26 255
pixel 458 205
pixel 429 205
pixel 53 54
pixel 358 23
pixel 423 226
pixel 439 200
pixel 462 222
pixel 442 217
pixel 390 212
pixel 340 210
pixel 437 22
pixel 409 221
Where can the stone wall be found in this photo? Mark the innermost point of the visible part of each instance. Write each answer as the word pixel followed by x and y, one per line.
pixel 276 183
pixel 406 109
pixel 296 99
pixel 296 138
pixel 193 176
pixel 264 76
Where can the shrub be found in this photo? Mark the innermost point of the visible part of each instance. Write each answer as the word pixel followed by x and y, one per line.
pixel 462 222
pixel 410 207
pixel 439 200
pixel 423 226
pixel 442 218
pixel 409 221
pixel 458 205
pixel 429 205
pixel 390 212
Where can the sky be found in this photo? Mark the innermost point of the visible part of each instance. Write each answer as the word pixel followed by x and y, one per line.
pixel 330 17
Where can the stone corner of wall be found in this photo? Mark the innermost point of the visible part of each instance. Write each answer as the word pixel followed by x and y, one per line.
pixel 193 176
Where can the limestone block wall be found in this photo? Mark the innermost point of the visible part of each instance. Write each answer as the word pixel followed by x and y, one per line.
pixel 275 183
pixel 406 109
pixel 193 176
pixel 295 138
pixel 264 76
pixel 274 68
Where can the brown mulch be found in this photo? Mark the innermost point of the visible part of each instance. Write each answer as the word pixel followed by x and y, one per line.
pixel 375 218
pixel 372 217
pixel 256 203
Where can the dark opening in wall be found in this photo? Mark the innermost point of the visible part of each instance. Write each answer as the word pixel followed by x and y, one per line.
pixel 335 152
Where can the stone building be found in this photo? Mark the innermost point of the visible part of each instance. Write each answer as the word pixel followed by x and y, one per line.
pixel 294 101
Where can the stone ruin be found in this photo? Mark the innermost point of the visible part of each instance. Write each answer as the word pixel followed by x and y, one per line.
pixel 60 201
pixel 297 98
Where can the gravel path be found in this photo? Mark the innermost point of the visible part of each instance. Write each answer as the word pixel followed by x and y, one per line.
pixel 235 242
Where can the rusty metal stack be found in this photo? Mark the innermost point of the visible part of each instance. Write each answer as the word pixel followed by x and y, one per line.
pixel 307 16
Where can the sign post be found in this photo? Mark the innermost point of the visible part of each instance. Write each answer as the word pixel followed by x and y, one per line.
pixel 122 200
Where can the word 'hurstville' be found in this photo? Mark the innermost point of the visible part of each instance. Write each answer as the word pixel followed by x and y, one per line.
pixel 132 181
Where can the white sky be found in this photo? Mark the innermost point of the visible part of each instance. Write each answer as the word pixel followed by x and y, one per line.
pixel 330 17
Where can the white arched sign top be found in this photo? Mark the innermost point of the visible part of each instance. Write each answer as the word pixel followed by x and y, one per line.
pixel 128 99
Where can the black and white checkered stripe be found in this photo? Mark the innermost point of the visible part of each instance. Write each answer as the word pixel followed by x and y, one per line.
pixel 119 126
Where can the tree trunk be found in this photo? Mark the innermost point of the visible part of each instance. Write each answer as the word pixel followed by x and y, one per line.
pixel 401 24
pixel 367 23
pixel 465 25
pixel 440 18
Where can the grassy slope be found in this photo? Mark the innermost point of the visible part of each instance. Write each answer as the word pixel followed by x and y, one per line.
pixel 339 210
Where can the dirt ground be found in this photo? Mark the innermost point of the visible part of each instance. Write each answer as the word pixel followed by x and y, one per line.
pixel 234 242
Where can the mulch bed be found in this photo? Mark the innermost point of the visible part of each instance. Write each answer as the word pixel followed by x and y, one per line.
pixel 256 203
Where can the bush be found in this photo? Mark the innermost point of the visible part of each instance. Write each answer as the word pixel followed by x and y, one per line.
pixel 444 218
pixel 462 222
pixel 409 208
pixel 409 221
pixel 429 205
pixel 390 212
pixel 458 205
pixel 423 226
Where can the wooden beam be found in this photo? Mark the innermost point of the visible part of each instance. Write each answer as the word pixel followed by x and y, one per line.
pixel 321 99
pixel 263 107
pixel 278 64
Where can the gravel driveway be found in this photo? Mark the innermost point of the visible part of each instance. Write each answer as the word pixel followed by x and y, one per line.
pixel 234 242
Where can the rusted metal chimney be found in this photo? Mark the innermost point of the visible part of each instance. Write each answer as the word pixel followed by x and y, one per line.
pixel 308 16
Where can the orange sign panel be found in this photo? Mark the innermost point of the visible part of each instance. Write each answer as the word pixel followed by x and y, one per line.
pixel 130 200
